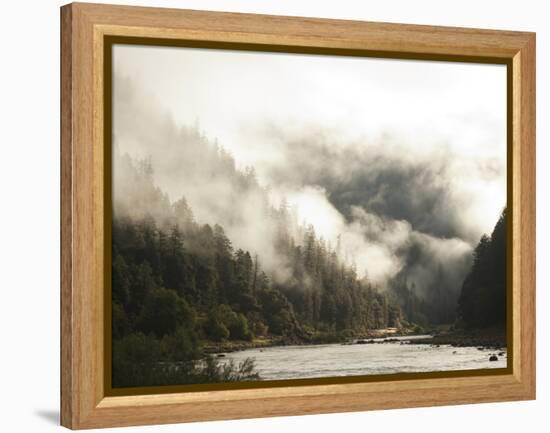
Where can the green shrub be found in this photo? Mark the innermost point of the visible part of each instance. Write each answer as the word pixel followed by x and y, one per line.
pixel 215 329
pixel 138 361
pixel 224 323
pixel 183 345
pixel 259 328
pixel 134 359
pixel 238 328
pixel 163 311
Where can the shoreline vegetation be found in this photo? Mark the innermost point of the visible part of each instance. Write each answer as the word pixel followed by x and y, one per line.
pixel 274 341
pixel 484 338
pixel 182 293
pixel 492 339
pixel 227 346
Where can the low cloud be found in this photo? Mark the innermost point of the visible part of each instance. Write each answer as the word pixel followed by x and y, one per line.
pixel 402 202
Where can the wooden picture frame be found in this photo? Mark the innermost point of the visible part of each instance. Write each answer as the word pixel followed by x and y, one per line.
pixel 85 28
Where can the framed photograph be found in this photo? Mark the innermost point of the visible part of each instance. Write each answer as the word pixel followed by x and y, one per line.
pixel 267 215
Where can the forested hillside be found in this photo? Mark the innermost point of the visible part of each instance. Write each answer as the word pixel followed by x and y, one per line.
pixel 178 284
pixel 482 302
pixel 181 284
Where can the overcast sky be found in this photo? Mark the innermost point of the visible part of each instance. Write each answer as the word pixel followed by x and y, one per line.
pixel 403 125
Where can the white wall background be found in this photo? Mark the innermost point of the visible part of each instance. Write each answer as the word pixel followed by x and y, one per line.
pixel 29 190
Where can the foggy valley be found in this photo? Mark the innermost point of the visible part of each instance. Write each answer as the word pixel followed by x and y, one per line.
pixel 292 228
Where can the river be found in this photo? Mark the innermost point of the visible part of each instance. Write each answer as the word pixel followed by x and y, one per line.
pixel 329 360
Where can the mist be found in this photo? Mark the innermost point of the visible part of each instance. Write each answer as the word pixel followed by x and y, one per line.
pixel 403 175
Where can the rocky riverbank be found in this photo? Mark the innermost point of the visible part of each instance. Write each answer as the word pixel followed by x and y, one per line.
pixel 490 339
pixel 228 346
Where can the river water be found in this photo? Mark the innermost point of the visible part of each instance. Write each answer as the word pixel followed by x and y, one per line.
pixel 329 360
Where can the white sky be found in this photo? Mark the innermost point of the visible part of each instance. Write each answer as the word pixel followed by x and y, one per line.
pixel 227 91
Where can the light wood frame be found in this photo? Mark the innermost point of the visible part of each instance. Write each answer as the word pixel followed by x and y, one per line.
pixel 84 403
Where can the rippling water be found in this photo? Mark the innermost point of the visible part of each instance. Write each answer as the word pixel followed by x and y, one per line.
pixel 326 360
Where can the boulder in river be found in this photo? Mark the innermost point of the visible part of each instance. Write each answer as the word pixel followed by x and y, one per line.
pixel 493 358
pixel 364 342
